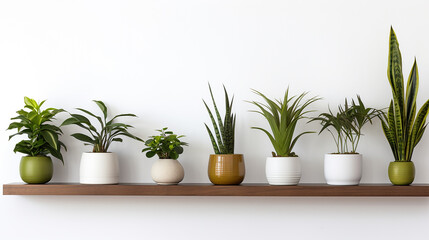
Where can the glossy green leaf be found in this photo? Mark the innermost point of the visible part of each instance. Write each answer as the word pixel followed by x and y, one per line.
pixel 102 106
pixel 83 138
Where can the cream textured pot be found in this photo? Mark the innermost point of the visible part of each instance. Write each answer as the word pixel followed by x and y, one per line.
pixel 343 169
pixel 99 168
pixel 167 172
pixel 283 170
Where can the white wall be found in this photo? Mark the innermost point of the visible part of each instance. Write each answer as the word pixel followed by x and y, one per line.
pixel 154 59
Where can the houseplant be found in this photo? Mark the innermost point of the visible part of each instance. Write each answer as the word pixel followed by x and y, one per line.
pixel 167 145
pixel 225 167
pixel 401 126
pixel 42 140
pixel 344 167
pixel 284 167
pixel 100 166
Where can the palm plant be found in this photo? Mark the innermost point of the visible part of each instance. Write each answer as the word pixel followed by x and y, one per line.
pixel 224 130
pixel 42 136
pixel 401 126
pixel 110 131
pixel 283 116
pixel 347 124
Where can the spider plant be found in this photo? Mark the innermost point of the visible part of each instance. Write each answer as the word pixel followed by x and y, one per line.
pixel 42 136
pixel 401 126
pixel 283 116
pixel 346 125
pixel 110 131
pixel 224 130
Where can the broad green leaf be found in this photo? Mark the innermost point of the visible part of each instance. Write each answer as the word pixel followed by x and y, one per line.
pixel 50 138
pixel 70 121
pixel 150 154
pixel 102 106
pixel 15 125
pixel 84 138
pixel 92 115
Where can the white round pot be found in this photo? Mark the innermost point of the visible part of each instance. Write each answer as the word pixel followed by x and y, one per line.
pixel 99 168
pixel 343 169
pixel 283 170
pixel 167 172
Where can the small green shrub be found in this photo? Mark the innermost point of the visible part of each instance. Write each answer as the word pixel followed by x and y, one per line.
pixel 167 145
pixel 42 136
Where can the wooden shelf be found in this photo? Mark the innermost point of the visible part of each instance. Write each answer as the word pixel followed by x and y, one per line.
pixel 302 190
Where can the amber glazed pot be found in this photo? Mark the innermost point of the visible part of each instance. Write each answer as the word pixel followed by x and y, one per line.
pixel 226 169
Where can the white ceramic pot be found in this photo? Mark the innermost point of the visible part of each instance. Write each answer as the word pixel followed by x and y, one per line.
pixel 343 169
pixel 167 172
pixel 283 170
pixel 99 168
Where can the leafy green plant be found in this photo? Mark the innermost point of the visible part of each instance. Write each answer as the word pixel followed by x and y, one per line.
pixel 224 130
pixel 167 145
pixel 347 124
pixel 42 136
pixel 401 126
pixel 111 131
pixel 282 116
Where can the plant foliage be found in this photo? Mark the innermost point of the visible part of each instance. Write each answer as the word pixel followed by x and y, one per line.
pixel 167 145
pixel 402 127
pixel 35 123
pixel 346 126
pixel 224 129
pixel 111 131
pixel 282 116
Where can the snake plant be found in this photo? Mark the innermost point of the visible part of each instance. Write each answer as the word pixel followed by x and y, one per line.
pixel 346 125
pixel 224 130
pixel 402 127
pixel 283 116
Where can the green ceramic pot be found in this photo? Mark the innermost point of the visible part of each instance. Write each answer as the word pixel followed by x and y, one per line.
pixel 401 173
pixel 36 170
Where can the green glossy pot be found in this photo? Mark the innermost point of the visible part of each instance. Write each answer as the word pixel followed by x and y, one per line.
pixel 36 170
pixel 401 173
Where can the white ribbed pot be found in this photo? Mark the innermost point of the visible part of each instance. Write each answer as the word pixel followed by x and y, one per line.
pixel 283 170
pixel 167 172
pixel 99 168
pixel 343 169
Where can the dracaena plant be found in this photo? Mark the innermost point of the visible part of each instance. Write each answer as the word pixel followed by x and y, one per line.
pixel 166 145
pixel 282 116
pixel 109 130
pixel 224 130
pixel 37 125
pixel 402 127
pixel 346 125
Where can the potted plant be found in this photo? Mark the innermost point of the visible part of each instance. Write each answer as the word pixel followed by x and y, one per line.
pixel 42 140
pixel 284 167
pixel 225 167
pixel 167 145
pixel 401 126
pixel 100 166
pixel 344 167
